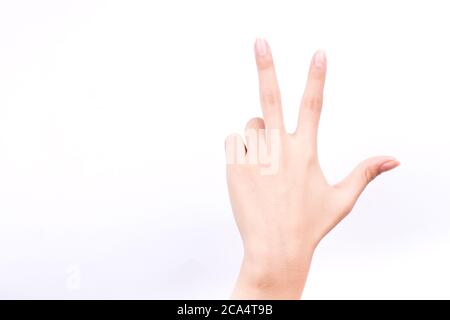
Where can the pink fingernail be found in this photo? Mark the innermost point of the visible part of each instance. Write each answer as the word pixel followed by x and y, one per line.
pixel 389 165
pixel 320 59
pixel 261 47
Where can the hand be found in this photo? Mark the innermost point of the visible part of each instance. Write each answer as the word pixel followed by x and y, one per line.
pixel 281 201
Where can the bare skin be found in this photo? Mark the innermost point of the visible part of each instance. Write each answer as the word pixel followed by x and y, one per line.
pixel 283 213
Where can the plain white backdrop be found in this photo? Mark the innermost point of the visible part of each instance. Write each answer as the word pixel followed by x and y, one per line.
pixel 113 116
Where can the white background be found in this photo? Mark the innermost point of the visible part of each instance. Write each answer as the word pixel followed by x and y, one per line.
pixel 113 116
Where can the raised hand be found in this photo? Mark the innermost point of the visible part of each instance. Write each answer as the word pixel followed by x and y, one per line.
pixel 282 202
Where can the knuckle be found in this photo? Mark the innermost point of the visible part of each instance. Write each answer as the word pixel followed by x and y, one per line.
pixel 313 103
pixel 270 97
pixel 255 123
pixel 264 63
pixel 369 175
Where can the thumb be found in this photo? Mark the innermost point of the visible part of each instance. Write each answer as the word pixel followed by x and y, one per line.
pixel 355 183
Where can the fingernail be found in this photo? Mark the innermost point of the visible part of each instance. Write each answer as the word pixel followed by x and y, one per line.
pixel 261 47
pixel 389 165
pixel 320 59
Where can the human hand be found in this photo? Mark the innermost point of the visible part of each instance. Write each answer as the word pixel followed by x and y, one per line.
pixel 282 203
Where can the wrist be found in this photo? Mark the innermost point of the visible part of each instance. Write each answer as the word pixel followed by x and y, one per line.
pixel 273 275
